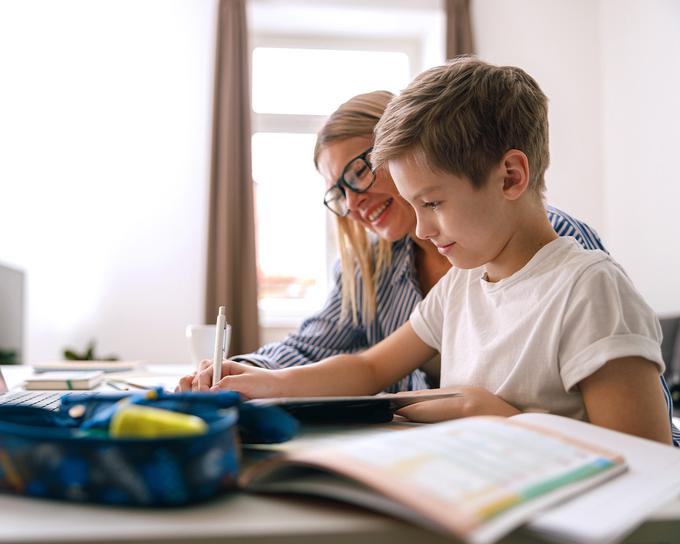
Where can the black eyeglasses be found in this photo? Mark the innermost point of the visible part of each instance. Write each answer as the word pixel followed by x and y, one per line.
pixel 357 176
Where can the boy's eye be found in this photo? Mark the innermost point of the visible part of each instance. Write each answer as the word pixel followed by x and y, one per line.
pixel 432 205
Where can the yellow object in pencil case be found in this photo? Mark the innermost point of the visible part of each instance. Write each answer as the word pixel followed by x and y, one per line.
pixel 135 421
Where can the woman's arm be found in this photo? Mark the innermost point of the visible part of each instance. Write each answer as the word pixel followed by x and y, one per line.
pixel 625 395
pixel 364 373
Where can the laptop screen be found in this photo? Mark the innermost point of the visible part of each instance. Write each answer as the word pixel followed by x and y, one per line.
pixel 11 314
pixel 3 383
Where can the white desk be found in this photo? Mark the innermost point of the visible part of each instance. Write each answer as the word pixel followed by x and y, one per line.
pixel 241 518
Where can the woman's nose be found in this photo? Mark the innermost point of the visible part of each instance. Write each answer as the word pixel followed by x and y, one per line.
pixel 354 200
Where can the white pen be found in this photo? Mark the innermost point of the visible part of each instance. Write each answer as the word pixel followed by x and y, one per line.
pixel 220 337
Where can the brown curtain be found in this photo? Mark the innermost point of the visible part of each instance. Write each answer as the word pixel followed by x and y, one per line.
pixel 459 40
pixel 231 276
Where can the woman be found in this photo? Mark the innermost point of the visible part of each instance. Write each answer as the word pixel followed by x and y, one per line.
pixel 385 270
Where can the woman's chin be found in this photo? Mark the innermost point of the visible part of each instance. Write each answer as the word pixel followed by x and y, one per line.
pixel 389 233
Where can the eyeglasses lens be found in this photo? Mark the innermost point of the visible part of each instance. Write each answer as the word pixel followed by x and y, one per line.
pixel 359 175
pixel 335 201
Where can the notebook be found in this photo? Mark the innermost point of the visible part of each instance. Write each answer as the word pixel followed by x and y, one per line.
pixel 65 380
pixel 106 366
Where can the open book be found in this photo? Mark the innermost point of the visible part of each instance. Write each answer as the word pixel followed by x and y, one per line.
pixel 612 511
pixel 476 478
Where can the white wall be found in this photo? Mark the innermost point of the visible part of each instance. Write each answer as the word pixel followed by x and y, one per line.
pixel 611 70
pixel 558 43
pixel 641 104
pixel 104 138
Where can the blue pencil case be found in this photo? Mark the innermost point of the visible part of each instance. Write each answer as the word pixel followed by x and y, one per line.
pixel 69 454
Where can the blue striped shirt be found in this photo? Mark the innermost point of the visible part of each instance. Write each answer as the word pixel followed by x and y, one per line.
pixel 324 334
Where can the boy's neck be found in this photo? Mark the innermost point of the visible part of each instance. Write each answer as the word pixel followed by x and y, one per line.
pixel 532 232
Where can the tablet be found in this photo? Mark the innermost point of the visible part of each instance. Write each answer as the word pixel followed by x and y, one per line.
pixel 353 409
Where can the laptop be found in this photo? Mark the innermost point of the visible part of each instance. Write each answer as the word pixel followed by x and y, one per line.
pixel 12 297
pixel 50 400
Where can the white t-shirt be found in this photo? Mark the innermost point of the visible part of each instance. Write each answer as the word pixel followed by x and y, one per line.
pixel 531 337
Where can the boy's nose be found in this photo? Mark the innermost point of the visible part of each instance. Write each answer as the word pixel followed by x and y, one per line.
pixel 424 231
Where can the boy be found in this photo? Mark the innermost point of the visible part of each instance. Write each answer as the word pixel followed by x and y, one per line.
pixel 524 321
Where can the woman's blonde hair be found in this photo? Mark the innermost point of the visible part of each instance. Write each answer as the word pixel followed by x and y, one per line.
pixel 357 118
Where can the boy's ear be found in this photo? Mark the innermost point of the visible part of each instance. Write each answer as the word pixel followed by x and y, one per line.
pixel 515 170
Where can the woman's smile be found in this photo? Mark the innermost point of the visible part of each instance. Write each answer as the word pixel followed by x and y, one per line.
pixel 377 214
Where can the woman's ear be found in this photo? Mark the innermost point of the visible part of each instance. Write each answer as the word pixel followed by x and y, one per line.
pixel 515 168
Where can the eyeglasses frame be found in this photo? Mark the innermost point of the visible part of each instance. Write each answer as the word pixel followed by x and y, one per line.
pixel 342 185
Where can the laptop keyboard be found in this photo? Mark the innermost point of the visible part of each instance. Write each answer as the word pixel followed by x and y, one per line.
pixel 40 399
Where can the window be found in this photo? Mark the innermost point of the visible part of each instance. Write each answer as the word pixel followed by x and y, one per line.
pixel 317 81
pixel 287 195
pixel 293 90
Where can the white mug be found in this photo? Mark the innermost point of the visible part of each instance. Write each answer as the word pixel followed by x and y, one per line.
pixel 202 342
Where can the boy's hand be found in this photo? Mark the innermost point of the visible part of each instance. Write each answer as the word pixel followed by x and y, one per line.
pixel 250 381
pixel 474 401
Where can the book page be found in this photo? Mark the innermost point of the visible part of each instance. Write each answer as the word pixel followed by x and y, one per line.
pixel 466 474
pixel 610 512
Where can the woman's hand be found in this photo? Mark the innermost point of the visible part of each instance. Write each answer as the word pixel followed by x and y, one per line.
pixel 473 401
pixel 252 382
pixel 201 380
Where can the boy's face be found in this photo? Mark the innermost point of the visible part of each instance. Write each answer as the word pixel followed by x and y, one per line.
pixel 467 225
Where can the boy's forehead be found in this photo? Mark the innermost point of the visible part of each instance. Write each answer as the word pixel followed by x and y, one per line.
pixel 412 175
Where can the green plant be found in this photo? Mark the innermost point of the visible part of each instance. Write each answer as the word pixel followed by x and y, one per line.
pixel 88 355
pixel 8 356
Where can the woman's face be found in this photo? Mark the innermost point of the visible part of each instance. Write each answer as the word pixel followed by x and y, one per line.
pixel 379 209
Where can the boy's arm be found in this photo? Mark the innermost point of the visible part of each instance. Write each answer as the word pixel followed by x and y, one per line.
pixel 472 401
pixel 625 395
pixel 364 373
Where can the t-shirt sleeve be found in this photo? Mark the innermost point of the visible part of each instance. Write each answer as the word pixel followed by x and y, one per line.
pixel 605 319
pixel 427 318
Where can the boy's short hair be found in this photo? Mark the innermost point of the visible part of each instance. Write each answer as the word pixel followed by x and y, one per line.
pixel 462 118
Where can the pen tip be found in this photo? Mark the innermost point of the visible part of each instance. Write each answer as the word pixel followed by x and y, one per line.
pixel 223 310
